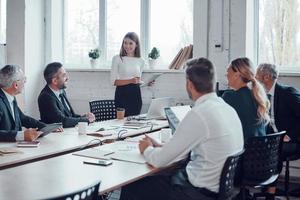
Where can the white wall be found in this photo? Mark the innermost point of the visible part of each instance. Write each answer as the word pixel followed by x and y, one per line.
pixel 25 47
pixel 34 53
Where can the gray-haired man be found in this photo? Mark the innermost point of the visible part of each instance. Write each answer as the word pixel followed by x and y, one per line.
pixel 12 119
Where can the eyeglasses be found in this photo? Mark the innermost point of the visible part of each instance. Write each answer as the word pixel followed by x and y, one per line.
pixel 23 79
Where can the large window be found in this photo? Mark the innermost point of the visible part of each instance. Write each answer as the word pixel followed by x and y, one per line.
pixel 279 33
pixel 103 23
pixel 2 21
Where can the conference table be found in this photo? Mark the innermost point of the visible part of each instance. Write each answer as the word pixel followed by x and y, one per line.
pixel 56 144
pixel 62 174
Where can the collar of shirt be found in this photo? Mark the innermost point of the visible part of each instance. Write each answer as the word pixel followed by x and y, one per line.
pixel 9 97
pixel 56 92
pixel 205 97
pixel 272 90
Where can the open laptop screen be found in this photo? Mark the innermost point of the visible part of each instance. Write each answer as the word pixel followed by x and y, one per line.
pixel 156 108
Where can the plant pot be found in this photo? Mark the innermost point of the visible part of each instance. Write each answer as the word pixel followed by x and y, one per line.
pixel 152 63
pixel 94 63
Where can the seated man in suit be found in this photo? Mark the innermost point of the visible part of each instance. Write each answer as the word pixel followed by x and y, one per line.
pixel 12 80
pixel 284 109
pixel 53 103
pixel 210 132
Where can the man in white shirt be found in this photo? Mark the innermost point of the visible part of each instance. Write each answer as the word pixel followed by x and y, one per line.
pixel 210 133
pixel 12 80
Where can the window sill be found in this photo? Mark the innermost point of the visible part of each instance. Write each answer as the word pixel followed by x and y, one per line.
pixel 289 74
pixel 108 70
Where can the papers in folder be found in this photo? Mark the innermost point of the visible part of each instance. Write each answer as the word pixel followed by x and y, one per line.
pixel 123 151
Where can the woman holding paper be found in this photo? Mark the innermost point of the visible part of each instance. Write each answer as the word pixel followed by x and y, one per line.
pixel 126 72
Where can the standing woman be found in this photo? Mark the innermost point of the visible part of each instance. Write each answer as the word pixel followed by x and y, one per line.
pixel 248 97
pixel 126 72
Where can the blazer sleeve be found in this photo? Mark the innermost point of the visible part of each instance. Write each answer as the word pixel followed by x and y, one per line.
pixel 51 113
pixel 293 98
pixel 6 135
pixel 30 122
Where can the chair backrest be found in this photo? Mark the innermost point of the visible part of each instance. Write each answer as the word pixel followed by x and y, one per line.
pixel 88 193
pixel 227 176
pixel 261 159
pixel 103 109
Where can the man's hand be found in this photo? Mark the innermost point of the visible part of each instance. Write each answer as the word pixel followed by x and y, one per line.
pixel 286 138
pixel 154 142
pixel 31 134
pixel 91 117
pixel 59 129
pixel 144 143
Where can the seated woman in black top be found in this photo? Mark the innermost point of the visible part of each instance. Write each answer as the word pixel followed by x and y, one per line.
pixel 249 100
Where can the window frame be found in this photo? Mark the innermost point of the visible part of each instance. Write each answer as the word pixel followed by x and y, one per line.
pixel 145 37
pixel 284 70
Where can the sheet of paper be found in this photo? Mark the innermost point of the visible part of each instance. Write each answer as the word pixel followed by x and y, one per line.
pixel 94 153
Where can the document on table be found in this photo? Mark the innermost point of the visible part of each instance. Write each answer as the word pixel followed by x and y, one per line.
pixel 94 153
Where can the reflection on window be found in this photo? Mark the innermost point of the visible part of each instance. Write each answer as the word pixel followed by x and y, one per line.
pixel 171 27
pixel 2 21
pixel 122 17
pixel 279 33
pixel 81 29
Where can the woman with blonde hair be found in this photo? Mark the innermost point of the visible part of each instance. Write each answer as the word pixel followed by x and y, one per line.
pixel 248 97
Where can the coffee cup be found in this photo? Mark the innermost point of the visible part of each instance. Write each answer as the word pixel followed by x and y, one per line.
pixel 82 126
pixel 120 113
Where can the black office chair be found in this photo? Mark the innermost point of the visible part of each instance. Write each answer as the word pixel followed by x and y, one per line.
pixel 295 192
pixel 103 109
pixel 88 193
pixel 228 176
pixel 261 161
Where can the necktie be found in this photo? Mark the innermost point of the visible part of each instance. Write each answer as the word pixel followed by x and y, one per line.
pixel 18 123
pixel 269 98
pixel 63 101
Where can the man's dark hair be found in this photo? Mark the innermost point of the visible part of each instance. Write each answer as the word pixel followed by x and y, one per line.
pixel 201 73
pixel 50 70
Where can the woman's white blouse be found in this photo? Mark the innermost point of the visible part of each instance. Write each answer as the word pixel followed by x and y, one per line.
pixel 126 68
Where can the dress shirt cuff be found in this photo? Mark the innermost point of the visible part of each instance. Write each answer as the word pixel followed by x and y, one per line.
pixel 148 151
pixel 20 136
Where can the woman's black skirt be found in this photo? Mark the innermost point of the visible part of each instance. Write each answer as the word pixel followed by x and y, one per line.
pixel 129 97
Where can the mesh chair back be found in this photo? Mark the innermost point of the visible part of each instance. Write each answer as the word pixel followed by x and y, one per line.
pixel 227 176
pixel 261 158
pixel 88 193
pixel 103 109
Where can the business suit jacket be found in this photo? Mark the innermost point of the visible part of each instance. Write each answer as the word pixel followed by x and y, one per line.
pixel 287 111
pixel 8 126
pixel 245 105
pixel 52 109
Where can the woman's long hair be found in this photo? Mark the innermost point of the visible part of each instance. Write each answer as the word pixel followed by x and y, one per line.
pixel 247 71
pixel 134 37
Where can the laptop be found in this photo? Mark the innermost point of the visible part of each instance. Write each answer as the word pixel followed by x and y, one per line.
pixel 156 108
pixel 49 128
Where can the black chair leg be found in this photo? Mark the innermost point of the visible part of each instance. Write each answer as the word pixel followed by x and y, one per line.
pixel 287 177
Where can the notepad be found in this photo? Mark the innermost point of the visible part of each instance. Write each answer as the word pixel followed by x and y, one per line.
pixel 129 157
pixel 28 144
pixel 8 151
pixel 94 153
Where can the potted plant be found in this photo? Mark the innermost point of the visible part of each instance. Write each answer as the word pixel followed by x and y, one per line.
pixel 94 54
pixel 153 56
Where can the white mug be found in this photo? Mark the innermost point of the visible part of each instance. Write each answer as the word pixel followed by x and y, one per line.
pixel 165 135
pixel 82 126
